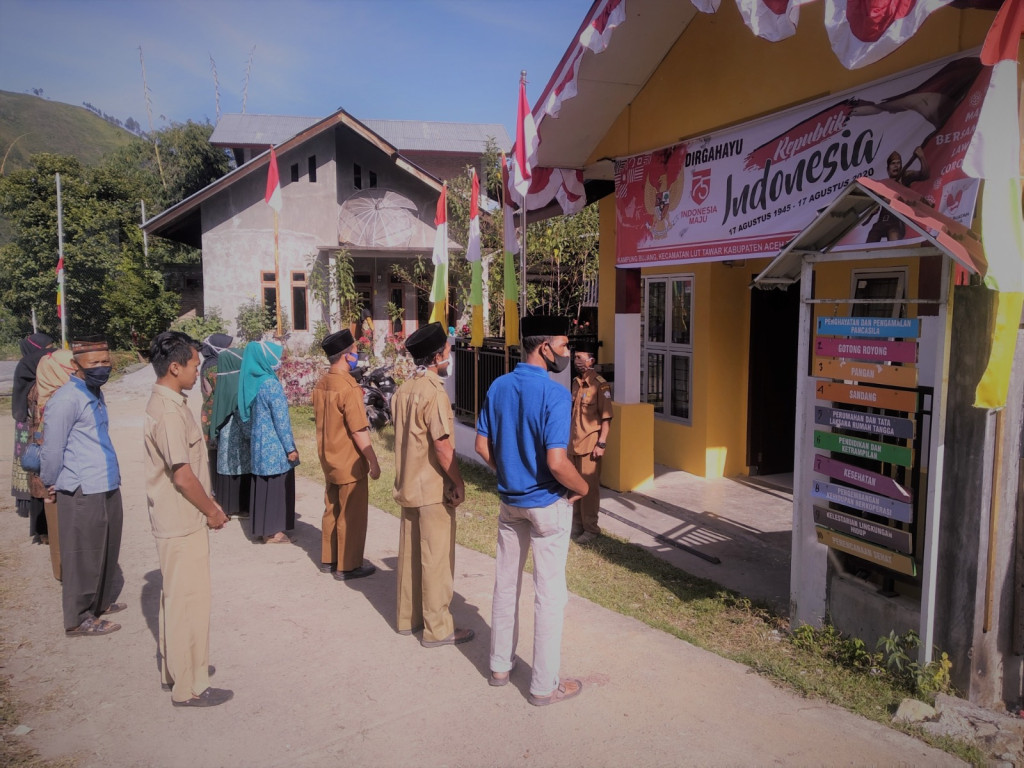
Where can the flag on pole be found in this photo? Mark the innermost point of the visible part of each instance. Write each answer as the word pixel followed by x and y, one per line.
pixel 526 143
pixel 511 249
pixel 273 196
pixel 60 286
pixel 476 290
pixel 439 289
pixel 994 155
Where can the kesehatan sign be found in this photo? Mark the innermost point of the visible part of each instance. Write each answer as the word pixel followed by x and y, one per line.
pixel 747 191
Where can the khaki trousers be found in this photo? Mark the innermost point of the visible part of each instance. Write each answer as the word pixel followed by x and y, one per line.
pixel 426 570
pixel 53 534
pixel 185 613
pixel 585 511
pixel 344 524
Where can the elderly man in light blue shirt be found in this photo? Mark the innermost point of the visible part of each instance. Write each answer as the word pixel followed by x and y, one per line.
pixel 79 467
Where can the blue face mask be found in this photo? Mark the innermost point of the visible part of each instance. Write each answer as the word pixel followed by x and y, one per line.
pixel 352 363
pixel 96 377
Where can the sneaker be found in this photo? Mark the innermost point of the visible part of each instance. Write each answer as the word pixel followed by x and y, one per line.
pixel 211 697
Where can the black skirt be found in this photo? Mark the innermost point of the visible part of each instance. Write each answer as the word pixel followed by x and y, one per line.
pixel 232 493
pixel 272 503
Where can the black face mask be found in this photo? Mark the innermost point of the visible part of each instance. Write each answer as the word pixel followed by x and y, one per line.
pixel 96 377
pixel 558 362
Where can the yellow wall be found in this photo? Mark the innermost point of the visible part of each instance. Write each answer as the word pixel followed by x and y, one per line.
pixel 716 75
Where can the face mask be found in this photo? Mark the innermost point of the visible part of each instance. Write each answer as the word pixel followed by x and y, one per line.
pixel 446 370
pixel 558 363
pixel 580 367
pixel 96 377
pixel 353 364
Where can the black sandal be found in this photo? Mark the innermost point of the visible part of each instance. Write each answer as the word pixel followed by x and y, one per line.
pixel 93 626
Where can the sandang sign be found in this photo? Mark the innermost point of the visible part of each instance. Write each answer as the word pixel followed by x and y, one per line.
pixel 747 191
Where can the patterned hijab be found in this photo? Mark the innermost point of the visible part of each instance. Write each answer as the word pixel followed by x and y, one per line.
pixel 259 363
pixel 52 373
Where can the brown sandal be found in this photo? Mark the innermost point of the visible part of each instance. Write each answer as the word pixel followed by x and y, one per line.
pixel 279 538
pixel 93 626
pixel 566 689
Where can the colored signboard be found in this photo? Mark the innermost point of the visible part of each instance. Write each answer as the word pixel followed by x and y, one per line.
pixel 864 501
pixel 876 533
pixel 870 327
pixel 871 373
pixel 883 351
pixel 890 399
pixel 862 478
pixel 886 558
pixel 876 423
pixel 865 449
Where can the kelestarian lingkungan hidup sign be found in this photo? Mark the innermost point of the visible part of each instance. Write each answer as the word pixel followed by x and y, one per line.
pixel 747 191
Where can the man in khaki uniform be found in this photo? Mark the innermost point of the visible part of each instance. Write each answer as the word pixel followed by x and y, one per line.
pixel 346 455
pixel 180 511
pixel 591 418
pixel 428 486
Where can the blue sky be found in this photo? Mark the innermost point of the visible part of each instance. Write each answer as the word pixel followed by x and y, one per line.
pixel 455 60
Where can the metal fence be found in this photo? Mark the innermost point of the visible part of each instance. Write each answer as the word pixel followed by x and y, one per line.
pixel 477 367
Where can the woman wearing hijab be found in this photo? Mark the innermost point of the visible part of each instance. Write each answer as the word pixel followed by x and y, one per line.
pixel 53 372
pixel 211 348
pixel 33 348
pixel 262 404
pixel 231 436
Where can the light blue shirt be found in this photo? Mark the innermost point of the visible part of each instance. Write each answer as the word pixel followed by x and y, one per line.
pixel 77 452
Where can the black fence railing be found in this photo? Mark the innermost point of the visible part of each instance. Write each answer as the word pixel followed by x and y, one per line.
pixel 477 367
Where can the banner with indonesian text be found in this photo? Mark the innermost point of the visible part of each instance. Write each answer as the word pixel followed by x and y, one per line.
pixel 746 191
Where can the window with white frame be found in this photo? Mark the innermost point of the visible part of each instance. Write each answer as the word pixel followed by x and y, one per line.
pixel 666 360
pixel 879 284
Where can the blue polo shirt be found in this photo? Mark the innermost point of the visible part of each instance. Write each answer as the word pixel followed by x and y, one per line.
pixel 77 452
pixel 525 414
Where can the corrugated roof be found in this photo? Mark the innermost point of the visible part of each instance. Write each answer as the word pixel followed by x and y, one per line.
pixel 440 137
pixel 245 130
pixel 238 130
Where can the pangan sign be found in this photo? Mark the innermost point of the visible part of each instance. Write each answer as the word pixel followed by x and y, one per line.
pixel 747 191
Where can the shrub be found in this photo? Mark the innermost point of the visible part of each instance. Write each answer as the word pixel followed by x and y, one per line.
pixel 299 375
pixel 201 327
pixel 253 320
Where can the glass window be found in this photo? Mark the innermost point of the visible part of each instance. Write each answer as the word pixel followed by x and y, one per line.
pixel 312 168
pixel 300 317
pixel 357 176
pixel 879 285
pixel 667 359
pixel 295 171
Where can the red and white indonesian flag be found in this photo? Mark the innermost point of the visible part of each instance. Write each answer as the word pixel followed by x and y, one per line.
pixel 511 285
pixel 273 196
pixel 476 289
pixel 439 288
pixel 473 248
pixel 60 284
pixel 864 31
pixel 772 20
pixel 526 144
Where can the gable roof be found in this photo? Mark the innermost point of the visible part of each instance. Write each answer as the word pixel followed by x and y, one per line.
pixel 182 223
pixel 247 130
pixel 425 135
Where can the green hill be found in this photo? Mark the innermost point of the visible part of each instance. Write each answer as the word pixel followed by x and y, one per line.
pixel 30 124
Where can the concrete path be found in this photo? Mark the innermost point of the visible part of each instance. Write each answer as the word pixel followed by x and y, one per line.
pixel 320 676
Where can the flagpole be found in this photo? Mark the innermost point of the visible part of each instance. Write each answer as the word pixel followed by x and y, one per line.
pixel 277 278
pixel 60 281
pixel 522 225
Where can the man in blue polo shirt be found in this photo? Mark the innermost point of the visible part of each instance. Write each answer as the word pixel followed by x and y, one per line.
pixel 523 434
pixel 79 468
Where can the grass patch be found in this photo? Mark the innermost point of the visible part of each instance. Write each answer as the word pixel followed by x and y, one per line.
pixel 627 579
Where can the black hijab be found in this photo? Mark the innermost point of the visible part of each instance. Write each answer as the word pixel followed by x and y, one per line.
pixel 212 346
pixel 33 348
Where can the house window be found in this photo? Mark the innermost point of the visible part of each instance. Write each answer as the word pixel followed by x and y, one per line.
pixel 268 285
pixel 312 169
pixel 874 284
pixel 373 179
pixel 300 316
pixel 357 176
pixel 667 358
pixel 295 172
pixel 398 299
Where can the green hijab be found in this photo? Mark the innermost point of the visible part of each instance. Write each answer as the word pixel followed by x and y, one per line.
pixel 259 363
pixel 225 393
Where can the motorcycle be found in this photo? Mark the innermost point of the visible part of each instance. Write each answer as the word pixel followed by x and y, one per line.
pixel 378 389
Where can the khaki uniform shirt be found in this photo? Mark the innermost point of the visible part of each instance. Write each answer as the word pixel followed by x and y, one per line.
pixel 422 414
pixel 591 404
pixel 340 413
pixel 172 438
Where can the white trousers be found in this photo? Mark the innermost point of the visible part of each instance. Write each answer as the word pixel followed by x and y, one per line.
pixel 546 530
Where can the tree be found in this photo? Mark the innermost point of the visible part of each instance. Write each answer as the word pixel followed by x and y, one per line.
pixel 109 287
